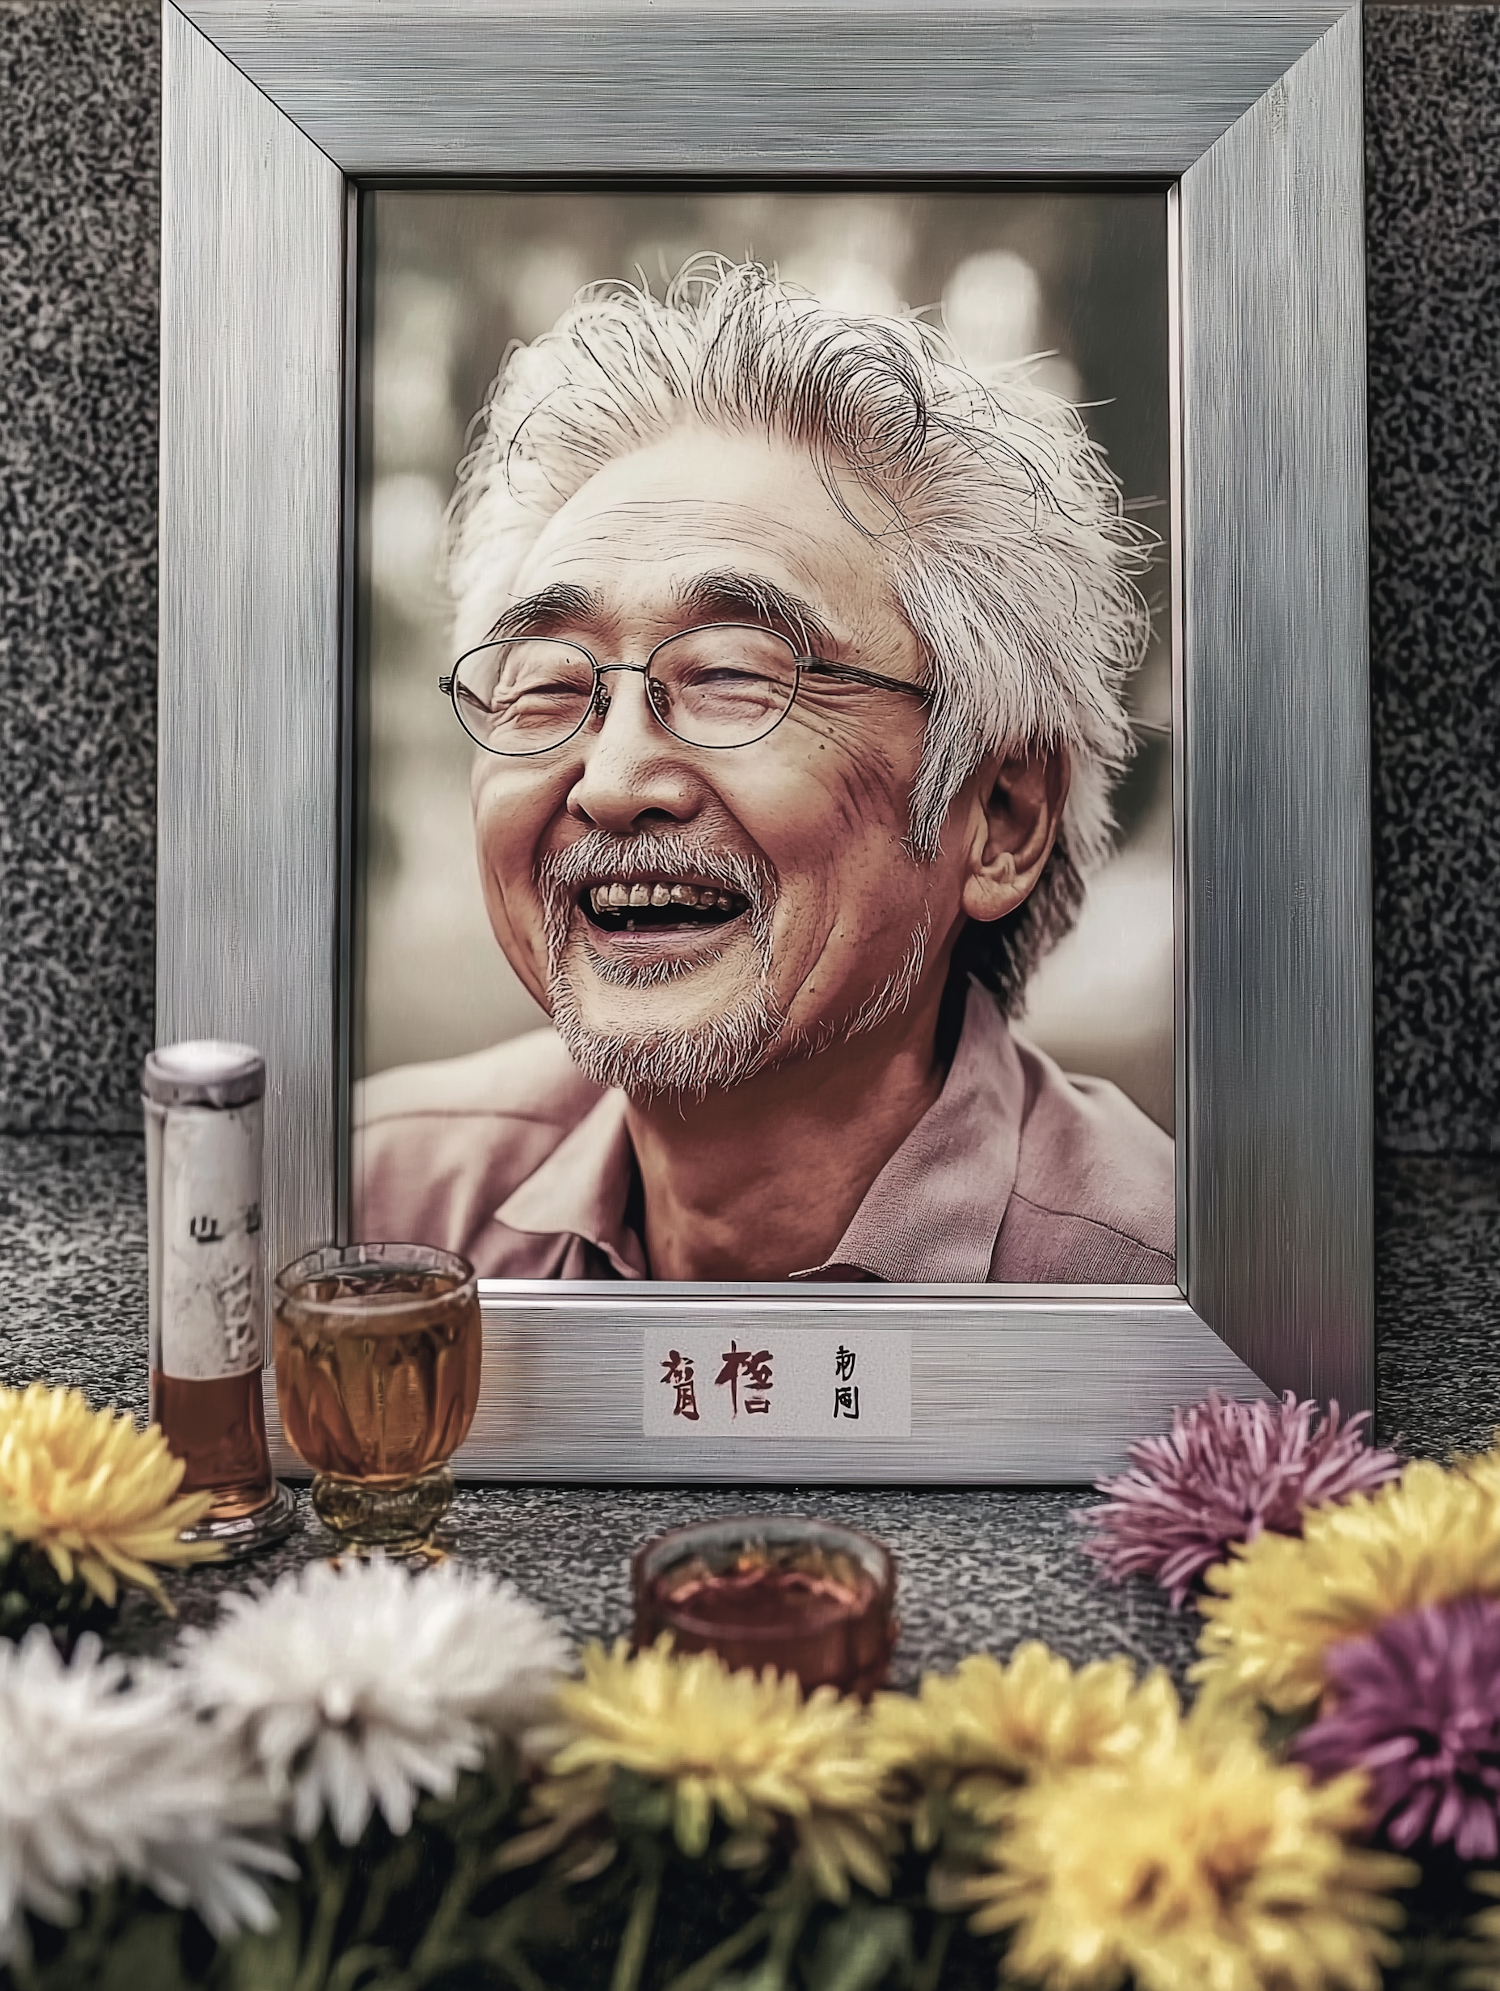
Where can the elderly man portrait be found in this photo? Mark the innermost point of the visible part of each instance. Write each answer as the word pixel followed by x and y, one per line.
pixel 793 655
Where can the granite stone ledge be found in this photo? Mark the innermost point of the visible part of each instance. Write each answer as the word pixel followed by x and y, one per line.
pixel 980 1568
pixel 73 1264
pixel 1437 1302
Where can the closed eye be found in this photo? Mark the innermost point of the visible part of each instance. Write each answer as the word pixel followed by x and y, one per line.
pixel 851 674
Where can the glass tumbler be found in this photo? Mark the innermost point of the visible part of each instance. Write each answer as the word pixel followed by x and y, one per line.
pixel 377 1377
pixel 803 1596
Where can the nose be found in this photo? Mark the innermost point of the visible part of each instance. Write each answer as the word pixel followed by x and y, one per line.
pixel 633 773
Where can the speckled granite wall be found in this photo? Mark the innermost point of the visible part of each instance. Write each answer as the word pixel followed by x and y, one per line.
pixel 79 110
pixel 1432 93
pixel 78 263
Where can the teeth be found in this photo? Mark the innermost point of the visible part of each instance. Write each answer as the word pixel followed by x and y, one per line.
pixel 620 897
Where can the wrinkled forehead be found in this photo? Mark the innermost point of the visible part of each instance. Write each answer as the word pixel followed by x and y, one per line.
pixel 639 536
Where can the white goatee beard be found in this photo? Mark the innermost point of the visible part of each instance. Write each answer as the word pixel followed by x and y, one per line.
pixel 678 1064
pixel 654 1064
pixel 728 1048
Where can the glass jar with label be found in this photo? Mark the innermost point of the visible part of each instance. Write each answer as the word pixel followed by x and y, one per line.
pixel 204 1104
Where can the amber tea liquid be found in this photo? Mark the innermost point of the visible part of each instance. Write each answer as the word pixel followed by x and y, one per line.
pixel 203 1103
pixel 377 1370
pixel 219 1431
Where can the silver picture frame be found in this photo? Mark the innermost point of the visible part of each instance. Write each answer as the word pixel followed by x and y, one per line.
pixel 276 110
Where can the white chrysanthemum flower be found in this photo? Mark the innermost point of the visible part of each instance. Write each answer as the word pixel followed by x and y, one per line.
pixel 359 1687
pixel 98 1779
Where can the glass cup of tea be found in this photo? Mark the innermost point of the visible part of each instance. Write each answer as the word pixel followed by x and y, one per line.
pixel 808 1597
pixel 377 1377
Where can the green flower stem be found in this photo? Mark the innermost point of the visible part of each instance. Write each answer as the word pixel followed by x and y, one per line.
pixel 631 1959
pixel 788 1921
pixel 497 1940
pixel 516 1968
pixel 429 1953
pixel 698 1976
pixel 392 1874
pixel 929 1971
pixel 23 1974
pixel 353 1963
pixel 332 1885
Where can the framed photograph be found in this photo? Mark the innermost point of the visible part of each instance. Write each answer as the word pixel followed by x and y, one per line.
pixel 763 703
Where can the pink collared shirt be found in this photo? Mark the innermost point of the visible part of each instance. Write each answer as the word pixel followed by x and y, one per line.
pixel 1016 1173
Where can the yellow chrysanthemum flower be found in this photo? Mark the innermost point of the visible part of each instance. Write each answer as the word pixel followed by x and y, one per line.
pixel 1481 1467
pixel 743 1747
pixel 1283 1600
pixel 1195 1864
pixel 1480 1953
pixel 979 1734
pixel 92 1492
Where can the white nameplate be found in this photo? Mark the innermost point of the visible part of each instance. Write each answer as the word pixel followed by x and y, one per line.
pixel 799 1382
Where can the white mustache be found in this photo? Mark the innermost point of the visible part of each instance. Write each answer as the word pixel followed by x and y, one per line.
pixel 598 858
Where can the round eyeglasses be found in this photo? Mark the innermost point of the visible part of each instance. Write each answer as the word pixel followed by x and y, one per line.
pixel 726 684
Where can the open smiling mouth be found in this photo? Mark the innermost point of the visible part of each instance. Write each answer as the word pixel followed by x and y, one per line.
pixel 641 907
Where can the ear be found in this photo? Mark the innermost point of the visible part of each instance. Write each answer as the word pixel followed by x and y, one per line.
pixel 1017 812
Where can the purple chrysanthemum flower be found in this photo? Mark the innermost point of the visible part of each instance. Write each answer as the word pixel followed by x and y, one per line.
pixel 1416 1705
pixel 1227 1472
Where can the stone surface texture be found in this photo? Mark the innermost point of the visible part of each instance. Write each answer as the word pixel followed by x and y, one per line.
pixel 981 1568
pixel 80 90
pixel 1432 105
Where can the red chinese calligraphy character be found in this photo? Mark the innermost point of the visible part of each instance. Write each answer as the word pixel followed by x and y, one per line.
pixel 755 1370
pixel 679 1377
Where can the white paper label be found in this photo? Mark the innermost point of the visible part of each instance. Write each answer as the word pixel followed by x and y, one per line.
pixel 755 1382
pixel 207 1304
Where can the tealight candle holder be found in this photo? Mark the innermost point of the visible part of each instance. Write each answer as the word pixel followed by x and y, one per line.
pixel 805 1597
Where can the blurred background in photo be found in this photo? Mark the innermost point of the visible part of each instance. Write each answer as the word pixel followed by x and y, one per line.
pixel 1076 282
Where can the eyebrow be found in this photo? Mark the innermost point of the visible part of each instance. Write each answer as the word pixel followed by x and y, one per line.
pixel 725 595
pixel 559 605
pixel 735 597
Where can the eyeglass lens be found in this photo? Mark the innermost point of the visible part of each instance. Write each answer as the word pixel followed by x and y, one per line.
pixel 724 686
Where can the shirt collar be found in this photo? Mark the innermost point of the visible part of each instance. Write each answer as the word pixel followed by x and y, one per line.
pixel 930 1217
pixel 583 1189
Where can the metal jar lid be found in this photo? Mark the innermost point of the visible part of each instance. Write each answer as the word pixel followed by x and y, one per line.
pixel 204 1072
